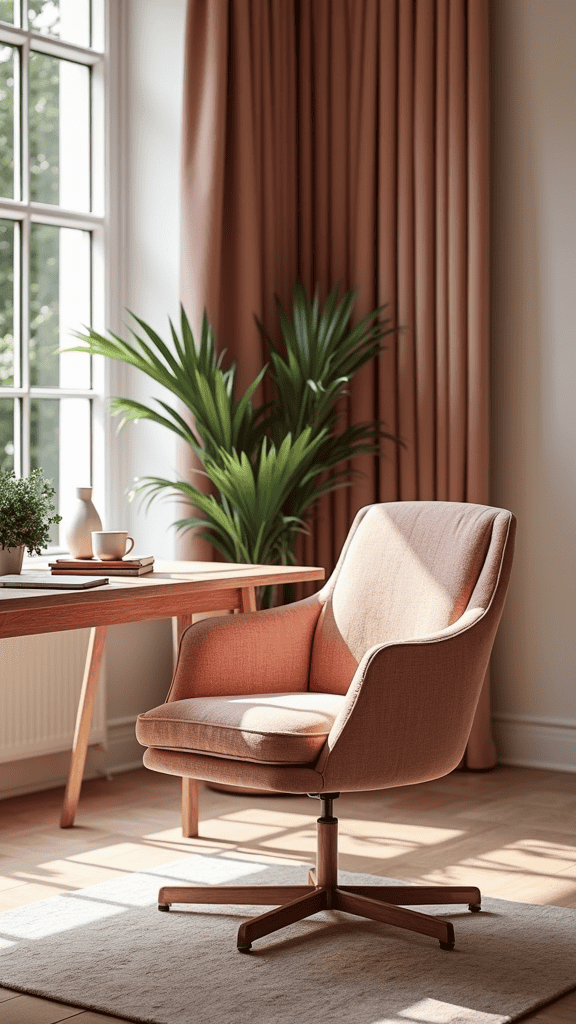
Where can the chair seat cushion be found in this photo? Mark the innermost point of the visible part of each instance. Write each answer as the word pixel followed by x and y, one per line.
pixel 270 728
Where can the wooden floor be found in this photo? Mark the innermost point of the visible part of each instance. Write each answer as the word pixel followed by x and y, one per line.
pixel 511 831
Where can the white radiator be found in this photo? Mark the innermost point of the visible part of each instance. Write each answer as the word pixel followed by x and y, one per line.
pixel 40 681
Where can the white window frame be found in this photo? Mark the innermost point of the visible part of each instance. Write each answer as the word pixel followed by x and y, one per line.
pixel 107 288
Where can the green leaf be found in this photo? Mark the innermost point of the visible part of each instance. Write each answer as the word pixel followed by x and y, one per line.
pixel 27 511
pixel 268 463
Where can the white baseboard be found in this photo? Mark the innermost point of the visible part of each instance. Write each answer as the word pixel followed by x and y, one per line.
pixel 530 741
pixel 121 753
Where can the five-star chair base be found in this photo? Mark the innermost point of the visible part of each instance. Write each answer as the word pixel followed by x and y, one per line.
pixel 384 903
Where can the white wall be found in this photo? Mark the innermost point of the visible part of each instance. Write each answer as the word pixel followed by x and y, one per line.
pixel 152 101
pixel 139 656
pixel 534 372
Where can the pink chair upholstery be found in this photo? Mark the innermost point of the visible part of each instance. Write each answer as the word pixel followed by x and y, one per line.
pixel 371 683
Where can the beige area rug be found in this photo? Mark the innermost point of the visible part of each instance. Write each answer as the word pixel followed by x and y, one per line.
pixel 108 948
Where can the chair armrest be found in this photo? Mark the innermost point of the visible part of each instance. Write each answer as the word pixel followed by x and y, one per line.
pixel 409 708
pixel 255 652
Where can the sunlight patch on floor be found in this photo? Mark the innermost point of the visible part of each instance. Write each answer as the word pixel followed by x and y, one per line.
pixel 369 838
pixel 8 882
pixel 284 831
pixel 368 828
pixel 275 818
pixel 433 1011
pixel 34 922
pixel 64 872
pixel 237 831
pixel 533 856
pixel 117 895
pixel 541 870
pixel 494 881
pixel 133 856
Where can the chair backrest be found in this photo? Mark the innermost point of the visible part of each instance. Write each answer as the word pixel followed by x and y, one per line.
pixel 407 569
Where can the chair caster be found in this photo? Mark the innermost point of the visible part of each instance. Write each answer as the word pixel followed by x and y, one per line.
pixel 164 906
pixel 474 908
pixel 447 945
pixel 244 949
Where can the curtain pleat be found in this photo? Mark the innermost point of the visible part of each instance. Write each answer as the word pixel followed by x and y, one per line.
pixel 387 233
pixel 480 751
pixel 457 252
pixel 362 235
pixel 441 274
pixel 408 455
pixel 347 141
pixel 424 268
pixel 478 483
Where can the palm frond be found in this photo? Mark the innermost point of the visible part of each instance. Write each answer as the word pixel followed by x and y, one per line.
pixel 322 354
pixel 131 411
pixel 268 463
pixel 193 374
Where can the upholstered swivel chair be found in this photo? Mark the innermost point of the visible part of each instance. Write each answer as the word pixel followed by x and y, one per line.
pixel 369 684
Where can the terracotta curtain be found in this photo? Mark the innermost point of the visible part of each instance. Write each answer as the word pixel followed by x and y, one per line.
pixel 347 140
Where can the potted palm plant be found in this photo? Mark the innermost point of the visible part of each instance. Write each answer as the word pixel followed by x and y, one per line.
pixel 27 512
pixel 268 463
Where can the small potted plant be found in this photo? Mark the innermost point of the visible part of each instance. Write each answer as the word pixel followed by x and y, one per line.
pixel 27 512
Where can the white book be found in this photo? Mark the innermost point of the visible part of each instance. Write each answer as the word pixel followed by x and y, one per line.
pixel 41 581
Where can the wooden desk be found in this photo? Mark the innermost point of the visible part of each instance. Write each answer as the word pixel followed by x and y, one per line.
pixel 175 590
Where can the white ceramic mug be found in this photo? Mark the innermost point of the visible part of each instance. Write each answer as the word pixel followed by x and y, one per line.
pixel 110 546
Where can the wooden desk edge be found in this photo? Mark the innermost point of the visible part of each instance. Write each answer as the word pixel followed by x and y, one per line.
pixel 138 588
pixel 50 611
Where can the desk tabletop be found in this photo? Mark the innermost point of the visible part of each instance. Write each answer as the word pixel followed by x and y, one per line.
pixel 174 588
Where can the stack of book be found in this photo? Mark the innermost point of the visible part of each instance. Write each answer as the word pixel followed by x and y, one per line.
pixel 94 567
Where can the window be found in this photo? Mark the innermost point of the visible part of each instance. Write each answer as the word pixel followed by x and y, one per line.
pixel 51 234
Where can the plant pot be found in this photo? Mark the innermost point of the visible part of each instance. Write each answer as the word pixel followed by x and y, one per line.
pixel 11 560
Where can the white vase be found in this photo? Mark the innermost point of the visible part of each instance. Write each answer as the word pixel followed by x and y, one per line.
pixel 11 560
pixel 82 521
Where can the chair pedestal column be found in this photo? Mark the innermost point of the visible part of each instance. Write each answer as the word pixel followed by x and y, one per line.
pixel 327 846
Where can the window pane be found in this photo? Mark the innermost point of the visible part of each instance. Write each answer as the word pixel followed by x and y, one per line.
pixel 59 132
pixel 6 433
pixel 60 447
pixel 59 304
pixel 69 19
pixel 7 11
pixel 7 69
pixel 7 251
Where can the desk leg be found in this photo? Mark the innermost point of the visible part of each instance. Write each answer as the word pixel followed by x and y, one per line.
pixel 83 721
pixel 248 598
pixel 190 789
pixel 179 624
pixel 189 786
